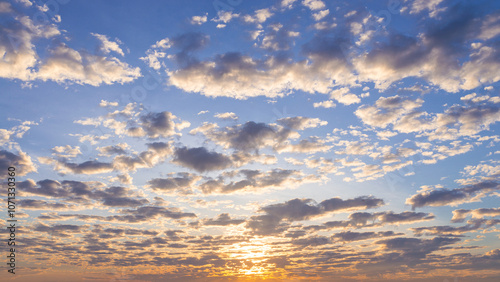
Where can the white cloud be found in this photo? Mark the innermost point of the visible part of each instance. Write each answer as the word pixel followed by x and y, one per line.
pixel 199 20
pixel 314 4
pixel 227 115
pixel 107 45
pixel 321 14
pixel 325 104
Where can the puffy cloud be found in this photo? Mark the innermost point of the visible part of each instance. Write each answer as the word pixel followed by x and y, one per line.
pixel 66 151
pixel 444 230
pixel 411 250
pixel 107 45
pixel 157 125
pixel 277 38
pixel 151 212
pixel 156 153
pixel 199 20
pixel 350 236
pixel 105 103
pixel 118 149
pixel 227 116
pixel 453 197
pixel 20 161
pixel 430 5
pixel 321 14
pixel 183 183
pixel 260 16
pixel 325 104
pixel 67 65
pixel 88 167
pixel 460 214
pixel 83 193
pixel 236 75
pixel 62 63
pixel 200 159
pixel 255 180
pixel 223 219
pixel 252 136
pixel 387 110
pixel 301 209
pixel 301 123
pixel 365 219
pixel 44 205
pixel 225 17
pixel 314 4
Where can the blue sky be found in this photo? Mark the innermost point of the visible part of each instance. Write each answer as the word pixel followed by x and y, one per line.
pixel 253 140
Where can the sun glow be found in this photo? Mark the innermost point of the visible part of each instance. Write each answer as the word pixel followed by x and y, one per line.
pixel 252 257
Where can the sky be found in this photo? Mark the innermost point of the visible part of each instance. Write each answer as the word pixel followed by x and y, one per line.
pixel 237 140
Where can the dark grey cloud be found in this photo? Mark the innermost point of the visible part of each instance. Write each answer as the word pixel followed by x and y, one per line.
pixel 112 150
pixel 150 212
pixel 445 230
pixel 158 124
pixel 443 197
pixel 83 192
pixel 350 236
pixel 43 205
pixel 413 249
pixel 460 214
pixel 200 159
pixel 60 230
pixel 302 209
pixel 187 43
pixel 21 161
pixel 223 219
pixel 183 182
pixel 253 180
pixel 366 219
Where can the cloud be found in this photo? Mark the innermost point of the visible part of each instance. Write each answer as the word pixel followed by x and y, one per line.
pixel 252 136
pixel 325 104
pixel 20 161
pixel 412 250
pixel 88 167
pixel 44 205
pixel 256 180
pixel 387 110
pixel 444 230
pixel 107 46
pixel 150 212
pixel 224 219
pixel 260 16
pixel 431 6
pixel 321 14
pixel 350 236
pixel 460 214
pixel 452 197
pixel 314 4
pixel 226 116
pixel 183 183
pixel 225 17
pixel 199 20
pixel 67 65
pixel 301 123
pixel 365 219
pixel 302 209
pixel 82 193
pixel 156 153
pixel 156 125
pixel 105 103
pixel 118 149
pixel 66 151
pixel 200 159
pixel 235 75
